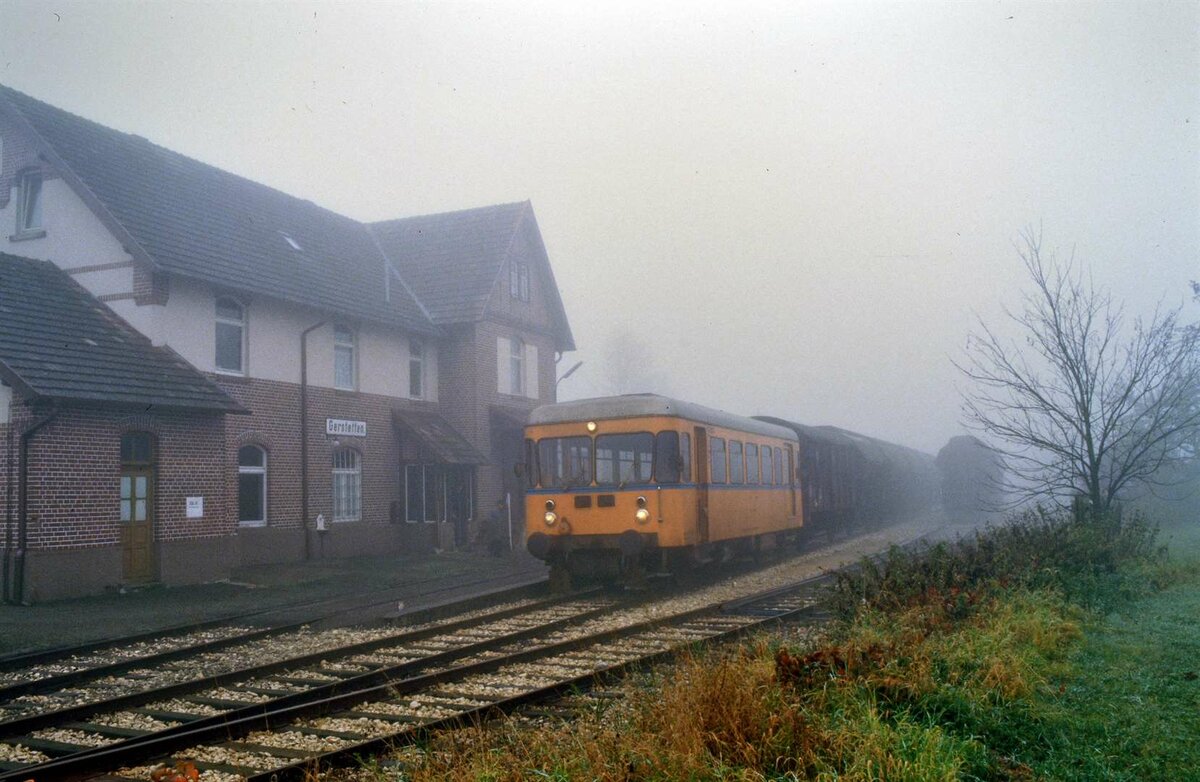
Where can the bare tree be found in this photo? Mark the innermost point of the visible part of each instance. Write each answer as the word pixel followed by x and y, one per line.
pixel 1084 404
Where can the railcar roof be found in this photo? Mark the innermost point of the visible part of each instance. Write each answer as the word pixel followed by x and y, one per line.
pixel 644 405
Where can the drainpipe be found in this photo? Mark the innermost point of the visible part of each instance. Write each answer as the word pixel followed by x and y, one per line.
pixel 18 590
pixel 304 436
pixel 8 510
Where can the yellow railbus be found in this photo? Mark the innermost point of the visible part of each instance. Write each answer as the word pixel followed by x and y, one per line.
pixel 629 482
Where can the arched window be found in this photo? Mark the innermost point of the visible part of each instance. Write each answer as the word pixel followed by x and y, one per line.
pixel 252 486
pixel 347 485
pixel 231 336
pixel 516 365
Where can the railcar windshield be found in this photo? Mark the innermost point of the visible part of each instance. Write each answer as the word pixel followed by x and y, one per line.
pixel 564 462
pixel 668 459
pixel 624 458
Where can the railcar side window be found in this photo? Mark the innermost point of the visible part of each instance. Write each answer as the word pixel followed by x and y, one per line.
pixel 751 463
pixel 768 472
pixel 735 462
pixel 685 453
pixel 667 463
pixel 564 462
pixel 716 459
pixel 624 458
pixel 531 465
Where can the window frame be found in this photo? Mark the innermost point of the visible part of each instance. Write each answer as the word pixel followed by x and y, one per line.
pixel 254 470
pixel 416 359
pixel 342 346
pixel 516 366
pixel 243 343
pixel 752 476
pixel 342 474
pixel 713 461
pixel 518 280
pixel 636 480
pixel 27 226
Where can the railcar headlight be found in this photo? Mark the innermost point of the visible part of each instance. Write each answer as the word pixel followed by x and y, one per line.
pixel 642 515
pixel 549 504
pixel 551 518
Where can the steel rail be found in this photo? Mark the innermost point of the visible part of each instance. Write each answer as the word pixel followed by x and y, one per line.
pixel 21 725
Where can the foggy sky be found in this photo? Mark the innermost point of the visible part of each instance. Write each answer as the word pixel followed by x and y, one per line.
pixel 791 210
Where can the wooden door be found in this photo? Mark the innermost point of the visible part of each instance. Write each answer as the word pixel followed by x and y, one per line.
pixel 702 482
pixel 137 524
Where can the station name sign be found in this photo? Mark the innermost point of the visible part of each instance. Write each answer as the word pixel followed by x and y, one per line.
pixel 342 427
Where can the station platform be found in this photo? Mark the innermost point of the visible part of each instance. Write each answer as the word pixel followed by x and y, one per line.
pixel 355 589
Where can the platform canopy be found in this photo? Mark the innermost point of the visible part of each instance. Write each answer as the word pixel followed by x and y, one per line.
pixel 438 437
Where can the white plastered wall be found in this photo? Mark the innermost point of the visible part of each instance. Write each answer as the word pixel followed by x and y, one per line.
pixel 75 237
pixel 187 323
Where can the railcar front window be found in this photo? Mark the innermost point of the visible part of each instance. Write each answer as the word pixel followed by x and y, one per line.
pixel 667 462
pixel 564 462
pixel 624 458
pixel 735 462
pixel 768 471
pixel 685 453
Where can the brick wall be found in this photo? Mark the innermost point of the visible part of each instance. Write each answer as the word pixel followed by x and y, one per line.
pixel 274 425
pixel 75 464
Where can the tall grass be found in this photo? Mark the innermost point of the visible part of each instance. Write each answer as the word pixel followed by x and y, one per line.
pixel 1094 563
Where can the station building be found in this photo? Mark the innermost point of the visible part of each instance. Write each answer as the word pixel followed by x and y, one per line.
pixel 199 372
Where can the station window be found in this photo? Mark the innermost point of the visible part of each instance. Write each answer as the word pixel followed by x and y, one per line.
pixel 252 486
pixel 347 485
pixel 516 366
pixel 716 460
pixel 736 474
pixel 518 281
pixel 416 361
pixel 424 493
pixel 343 358
pixel 768 472
pixel 29 204
pixel 751 463
pixel 231 336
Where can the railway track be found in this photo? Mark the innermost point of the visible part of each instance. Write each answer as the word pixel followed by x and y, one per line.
pixel 304 707
pixel 275 722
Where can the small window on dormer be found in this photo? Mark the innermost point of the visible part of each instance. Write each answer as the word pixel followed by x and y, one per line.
pixel 291 242
pixel 29 204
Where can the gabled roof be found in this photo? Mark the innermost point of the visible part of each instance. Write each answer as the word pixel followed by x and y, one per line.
pixel 58 342
pixel 452 260
pixel 192 219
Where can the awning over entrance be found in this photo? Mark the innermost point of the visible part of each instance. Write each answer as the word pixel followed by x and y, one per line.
pixel 436 434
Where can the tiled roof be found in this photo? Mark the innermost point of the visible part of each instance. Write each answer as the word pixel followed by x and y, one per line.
pixel 58 342
pixel 198 221
pixel 451 260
